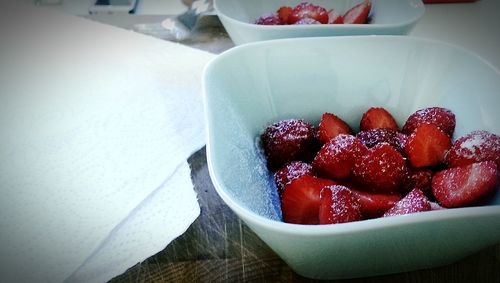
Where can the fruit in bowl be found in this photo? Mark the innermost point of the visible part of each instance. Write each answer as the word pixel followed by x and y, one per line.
pixel 307 13
pixel 326 175
pixel 346 76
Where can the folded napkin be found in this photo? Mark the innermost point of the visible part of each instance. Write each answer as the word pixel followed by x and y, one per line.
pixel 96 126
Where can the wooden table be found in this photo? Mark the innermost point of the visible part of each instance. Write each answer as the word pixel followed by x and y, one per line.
pixel 218 247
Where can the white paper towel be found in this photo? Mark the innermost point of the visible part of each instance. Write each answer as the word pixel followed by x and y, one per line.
pixel 93 119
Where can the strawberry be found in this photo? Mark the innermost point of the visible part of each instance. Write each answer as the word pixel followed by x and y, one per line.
pixel 475 147
pixel 301 199
pixel 374 205
pixel 307 21
pixel 269 20
pixel 331 126
pixel 427 146
pixel 358 14
pixel 308 10
pixel 284 13
pixel 372 137
pixel 414 201
pixel 290 172
pixel 441 117
pixel 338 205
pixel 334 17
pixel 418 178
pixel 336 158
pixel 286 141
pixel 377 117
pixel 380 170
pixel 465 185
pixel 436 206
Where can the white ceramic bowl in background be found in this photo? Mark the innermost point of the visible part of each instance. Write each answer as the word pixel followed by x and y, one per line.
pixel 389 17
pixel 250 86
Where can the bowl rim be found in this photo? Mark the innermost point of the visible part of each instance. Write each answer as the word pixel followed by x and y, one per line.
pixel 317 230
pixel 410 21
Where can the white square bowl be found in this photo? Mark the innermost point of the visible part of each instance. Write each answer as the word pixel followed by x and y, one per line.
pixel 388 17
pixel 251 86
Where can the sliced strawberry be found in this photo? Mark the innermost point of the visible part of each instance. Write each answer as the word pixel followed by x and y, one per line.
pixel 271 19
pixel 300 200
pixel 284 13
pixel 336 158
pixel 372 137
pixel 375 205
pixel 380 170
pixel 331 126
pixel 475 147
pixel 308 10
pixel 358 14
pixel 334 17
pixel 286 141
pixel 414 201
pixel 307 21
pixel 441 117
pixel 465 185
pixel 375 118
pixel 427 146
pixel 418 178
pixel 290 172
pixel 338 205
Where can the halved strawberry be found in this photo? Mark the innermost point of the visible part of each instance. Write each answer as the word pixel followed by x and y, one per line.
pixel 338 205
pixel 336 158
pixel 308 10
pixel 414 201
pixel 286 141
pixel 290 172
pixel 441 117
pixel 331 126
pixel 377 117
pixel 334 17
pixel 475 147
pixel 358 14
pixel 375 205
pixel 284 13
pixel 372 137
pixel 380 170
pixel 300 199
pixel 465 185
pixel 418 178
pixel 427 146
pixel 271 19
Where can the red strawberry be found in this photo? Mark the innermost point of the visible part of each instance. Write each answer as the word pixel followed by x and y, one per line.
pixel 308 10
pixel 418 178
pixel 336 158
pixel 376 118
pixel 475 147
pixel 466 185
pixel 307 21
pixel 427 146
pixel 441 117
pixel 414 201
pixel 374 205
pixel 290 172
pixel 372 137
pixel 331 126
pixel 286 141
pixel 338 205
pixel 284 13
pixel 381 169
pixel 300 200
pixel 334 17
pixel 269 20
pixel 358 14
